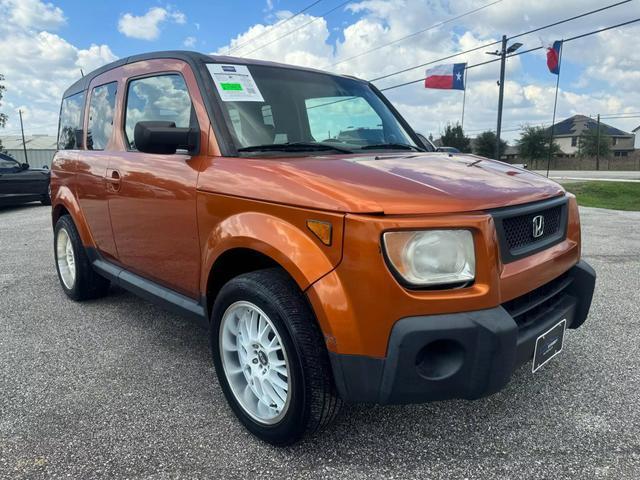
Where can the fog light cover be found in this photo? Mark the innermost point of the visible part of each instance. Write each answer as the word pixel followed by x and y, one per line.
pixel 432 257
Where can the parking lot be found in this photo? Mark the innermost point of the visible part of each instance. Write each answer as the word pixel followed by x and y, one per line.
pixel 119 388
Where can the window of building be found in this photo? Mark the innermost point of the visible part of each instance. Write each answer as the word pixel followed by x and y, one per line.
pixel 161 98
pixel 574 141
pixel 70 122
pixel 101 110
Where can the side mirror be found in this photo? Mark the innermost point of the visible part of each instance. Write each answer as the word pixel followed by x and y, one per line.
pixel 164 137
pixel 24 166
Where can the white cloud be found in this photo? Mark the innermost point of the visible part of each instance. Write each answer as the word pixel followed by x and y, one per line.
pixel 38 66
pixel 32 14
pixel 147 26
pixel 609 65
pixel 190 42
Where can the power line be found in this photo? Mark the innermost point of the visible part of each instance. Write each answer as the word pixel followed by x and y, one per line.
pixel 274 26
pixel 593 32
pixel 328 12
pixel 591 12
pixel 486 45
pixel 401 39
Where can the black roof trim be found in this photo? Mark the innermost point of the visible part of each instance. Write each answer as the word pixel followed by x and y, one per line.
pixel 185 55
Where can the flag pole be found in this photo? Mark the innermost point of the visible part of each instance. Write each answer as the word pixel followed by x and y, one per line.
pixel 464 97
pixel 555 104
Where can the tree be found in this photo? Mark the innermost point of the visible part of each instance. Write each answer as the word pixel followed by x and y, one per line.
pixel 534 143
pixel 588 144
pixel 454 137
pixel 485 144
pixel 3 117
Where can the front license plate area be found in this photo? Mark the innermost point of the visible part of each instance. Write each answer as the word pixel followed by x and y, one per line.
pixel 549 344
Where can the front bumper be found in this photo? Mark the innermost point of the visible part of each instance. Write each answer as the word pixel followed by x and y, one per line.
pixel 464 355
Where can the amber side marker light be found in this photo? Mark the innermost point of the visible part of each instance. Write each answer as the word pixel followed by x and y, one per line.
pixel 322 230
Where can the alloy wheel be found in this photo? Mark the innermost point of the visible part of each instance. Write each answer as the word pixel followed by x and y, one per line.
pixel 255 363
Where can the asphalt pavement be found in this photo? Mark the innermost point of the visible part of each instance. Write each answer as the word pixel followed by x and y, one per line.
pixel 119 388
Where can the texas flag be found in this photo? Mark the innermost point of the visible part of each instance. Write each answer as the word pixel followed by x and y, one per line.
pixel 553 57
pixel 447 77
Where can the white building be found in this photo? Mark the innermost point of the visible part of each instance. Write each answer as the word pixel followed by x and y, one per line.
pixel 40 148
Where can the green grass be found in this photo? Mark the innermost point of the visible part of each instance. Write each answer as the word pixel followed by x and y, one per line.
pixel 614 195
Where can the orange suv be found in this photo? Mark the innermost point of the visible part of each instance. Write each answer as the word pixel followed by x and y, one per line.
pixel 335 257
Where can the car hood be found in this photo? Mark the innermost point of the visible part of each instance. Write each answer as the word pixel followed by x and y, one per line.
pixel 416 183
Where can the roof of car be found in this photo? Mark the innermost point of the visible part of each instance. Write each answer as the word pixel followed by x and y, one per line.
pixel 185 55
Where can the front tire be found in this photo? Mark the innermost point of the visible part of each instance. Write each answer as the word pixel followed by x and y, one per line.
pixel 270 358
pixel 77 278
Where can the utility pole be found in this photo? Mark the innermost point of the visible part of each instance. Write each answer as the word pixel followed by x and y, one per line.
pixel 598 145
pixel 24 144
pixel 503 61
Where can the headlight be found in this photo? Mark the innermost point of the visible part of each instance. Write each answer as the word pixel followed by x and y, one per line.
pixel 432 257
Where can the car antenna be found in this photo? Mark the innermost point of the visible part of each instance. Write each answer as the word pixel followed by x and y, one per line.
pixel 82 73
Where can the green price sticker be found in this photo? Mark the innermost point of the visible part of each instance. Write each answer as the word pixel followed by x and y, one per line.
pixel 231 87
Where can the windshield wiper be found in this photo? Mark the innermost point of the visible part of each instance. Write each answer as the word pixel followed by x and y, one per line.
pixel 391 146
pixel 294 147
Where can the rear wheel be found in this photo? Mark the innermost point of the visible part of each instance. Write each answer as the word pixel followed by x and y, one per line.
pixel 77 278
pixel 270 358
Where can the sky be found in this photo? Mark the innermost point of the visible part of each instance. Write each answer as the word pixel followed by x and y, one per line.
pixel 44 46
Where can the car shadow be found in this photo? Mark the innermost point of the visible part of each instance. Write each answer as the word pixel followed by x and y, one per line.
pixel 22 207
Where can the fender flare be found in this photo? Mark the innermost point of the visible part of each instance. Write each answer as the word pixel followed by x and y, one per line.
pixel 64 198
pixel 286 244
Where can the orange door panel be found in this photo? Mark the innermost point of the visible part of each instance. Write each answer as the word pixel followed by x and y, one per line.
pixel 153 213
pixel 152 197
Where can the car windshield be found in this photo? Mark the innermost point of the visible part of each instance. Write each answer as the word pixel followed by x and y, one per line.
pixel 272 109
pixel 7 164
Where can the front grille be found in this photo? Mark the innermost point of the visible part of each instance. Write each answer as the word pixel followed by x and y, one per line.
pixel 518 230
pixel 532 306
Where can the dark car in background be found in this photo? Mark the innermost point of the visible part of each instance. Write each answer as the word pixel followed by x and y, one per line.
pixel 21 184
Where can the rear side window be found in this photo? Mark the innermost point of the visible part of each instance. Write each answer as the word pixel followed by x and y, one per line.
pixel 160 98
pixel 70 121
pixel 101 110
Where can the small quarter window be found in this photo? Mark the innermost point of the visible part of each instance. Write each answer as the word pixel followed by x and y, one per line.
pixel 70 121
pixel 101 110
pixel 160 98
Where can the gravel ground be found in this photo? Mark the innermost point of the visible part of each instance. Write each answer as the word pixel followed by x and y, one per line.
pixel 118 388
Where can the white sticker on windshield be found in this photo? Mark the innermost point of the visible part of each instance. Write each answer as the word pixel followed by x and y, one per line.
pixel 234 83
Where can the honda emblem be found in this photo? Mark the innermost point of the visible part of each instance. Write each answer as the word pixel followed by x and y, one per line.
pixel 538 226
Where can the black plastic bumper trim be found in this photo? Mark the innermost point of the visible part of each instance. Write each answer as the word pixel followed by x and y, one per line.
pixel 486 346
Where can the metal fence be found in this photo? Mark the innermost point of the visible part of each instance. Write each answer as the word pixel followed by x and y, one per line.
pixel 36 158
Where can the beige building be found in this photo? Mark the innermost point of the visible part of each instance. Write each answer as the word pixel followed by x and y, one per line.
pixel 567 133
pixel 40 148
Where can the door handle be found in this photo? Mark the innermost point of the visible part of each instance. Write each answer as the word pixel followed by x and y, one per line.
pixel 113 180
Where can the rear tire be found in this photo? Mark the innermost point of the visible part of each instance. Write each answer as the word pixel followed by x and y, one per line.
pixel 281 325
pixel 77 278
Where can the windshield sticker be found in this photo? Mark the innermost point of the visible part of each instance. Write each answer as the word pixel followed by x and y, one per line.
pixel 234 83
